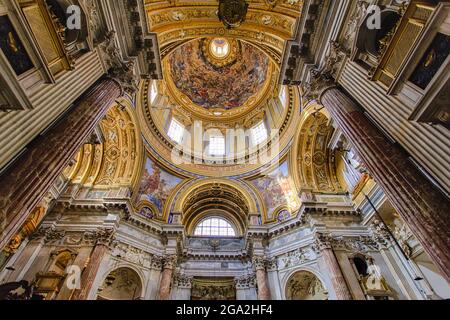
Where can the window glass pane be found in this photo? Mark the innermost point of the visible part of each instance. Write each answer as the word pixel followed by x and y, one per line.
pixel 215 227
pixel 153 92
pixel 259 133
pixel 176 131
pixel 217 146
pixel 283 94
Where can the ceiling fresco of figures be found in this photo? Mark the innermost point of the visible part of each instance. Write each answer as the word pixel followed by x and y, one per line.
pixel 278 192
pixel 156 185
pixel 213 87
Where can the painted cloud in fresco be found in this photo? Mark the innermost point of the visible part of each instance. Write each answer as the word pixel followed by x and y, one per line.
pixel 211 87
pixel 277 190
pixel 156 185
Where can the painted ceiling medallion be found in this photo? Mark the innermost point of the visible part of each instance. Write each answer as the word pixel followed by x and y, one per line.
pixel 232 13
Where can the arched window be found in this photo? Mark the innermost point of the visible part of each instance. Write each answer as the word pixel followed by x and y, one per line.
pixel 283 95
pixel 153 92
pixel 176 131
pixel 259 133
pixel 214 227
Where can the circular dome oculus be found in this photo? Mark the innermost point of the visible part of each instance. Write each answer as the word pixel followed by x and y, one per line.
pixel 220 48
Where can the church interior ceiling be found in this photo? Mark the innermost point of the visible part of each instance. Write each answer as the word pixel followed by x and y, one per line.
pixel 213 75
pixel 218 134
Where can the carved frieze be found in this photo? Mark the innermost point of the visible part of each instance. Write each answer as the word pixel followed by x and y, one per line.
pixel 133 255
pixel 297 257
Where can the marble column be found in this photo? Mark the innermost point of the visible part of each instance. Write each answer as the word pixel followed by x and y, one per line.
pixel 423 207
pixel 103 239
pixel 166 277
pixel 261 278
pixel 28 179
pixel 323 247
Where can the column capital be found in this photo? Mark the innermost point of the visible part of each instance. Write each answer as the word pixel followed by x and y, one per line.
pixel 156 263
pixel 318 82
pixel 182 281
pixel 259 263
pixel 380 234
pixel 322 242
pixel 101 236
pixel 169 261
pixel 123 72
pixel 272 265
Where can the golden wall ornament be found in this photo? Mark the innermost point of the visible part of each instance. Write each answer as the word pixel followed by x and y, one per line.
pixel 232 13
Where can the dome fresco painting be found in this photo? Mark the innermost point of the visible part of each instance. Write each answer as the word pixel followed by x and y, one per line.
pixel 214 87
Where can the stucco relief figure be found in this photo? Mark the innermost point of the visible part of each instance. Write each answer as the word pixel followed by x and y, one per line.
pixel 374 283
pixel 304 285
pixel 354 24
pixel 121 284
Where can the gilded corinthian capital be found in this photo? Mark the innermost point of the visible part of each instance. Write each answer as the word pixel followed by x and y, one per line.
pixel 323 78
pixel 318 82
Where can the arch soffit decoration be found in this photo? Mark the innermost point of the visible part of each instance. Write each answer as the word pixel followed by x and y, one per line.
pixel 236 186
pixel 117 161
pixel 265 22
pixel 123 265
pixel 316 169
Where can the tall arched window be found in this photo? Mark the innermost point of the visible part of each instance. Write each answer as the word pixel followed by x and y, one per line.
pixel 153 92
pixel 214 227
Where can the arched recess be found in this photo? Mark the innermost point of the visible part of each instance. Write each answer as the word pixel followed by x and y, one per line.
pixel 369 39
pixel 116 161
pixel 305 285
pixel 315 167
pixel 123 283
pixel 220 197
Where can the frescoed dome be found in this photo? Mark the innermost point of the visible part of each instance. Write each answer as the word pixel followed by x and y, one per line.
pixel 218 73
